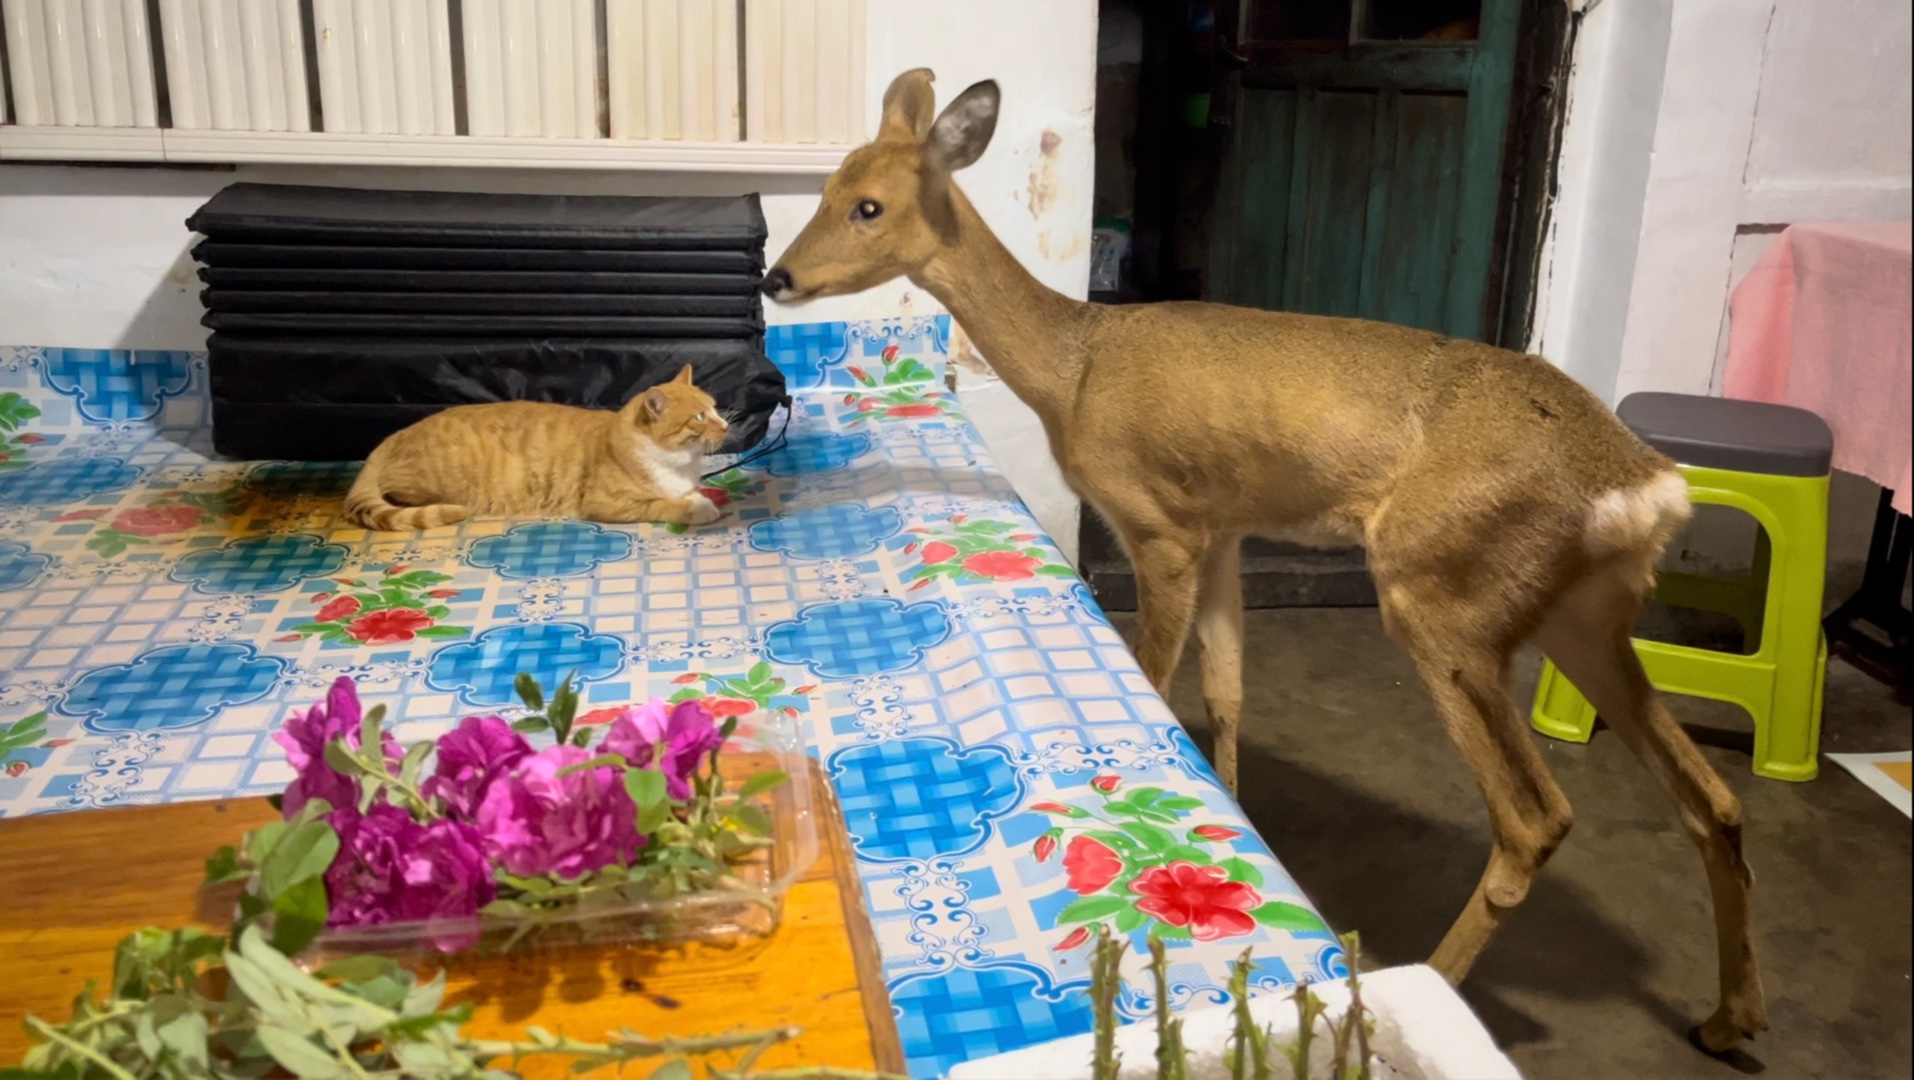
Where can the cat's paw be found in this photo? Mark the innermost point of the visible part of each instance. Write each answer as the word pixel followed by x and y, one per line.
pixel 703 511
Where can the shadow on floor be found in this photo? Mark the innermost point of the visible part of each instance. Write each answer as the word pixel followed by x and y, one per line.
pixel 1602 971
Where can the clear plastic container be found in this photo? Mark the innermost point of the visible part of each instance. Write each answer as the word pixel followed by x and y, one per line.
pixel 723 917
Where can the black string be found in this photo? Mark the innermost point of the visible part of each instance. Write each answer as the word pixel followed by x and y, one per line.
pixel 771 446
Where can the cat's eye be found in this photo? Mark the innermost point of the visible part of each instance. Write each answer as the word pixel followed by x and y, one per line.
pixel 867 210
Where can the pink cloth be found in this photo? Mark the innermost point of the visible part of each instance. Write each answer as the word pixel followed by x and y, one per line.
pixel 1825 322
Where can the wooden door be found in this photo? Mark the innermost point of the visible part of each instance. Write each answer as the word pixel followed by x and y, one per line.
pixel 1363 176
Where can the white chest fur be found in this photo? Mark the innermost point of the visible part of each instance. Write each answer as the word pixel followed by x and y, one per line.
pixel 673 471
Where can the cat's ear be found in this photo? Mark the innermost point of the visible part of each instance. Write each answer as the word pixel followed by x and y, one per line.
pixel 684 377
pixel 656 401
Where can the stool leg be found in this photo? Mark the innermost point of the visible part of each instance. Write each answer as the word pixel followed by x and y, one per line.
pixel 1560 711
pixel 1787 744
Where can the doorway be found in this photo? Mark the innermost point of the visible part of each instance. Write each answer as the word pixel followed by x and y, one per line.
pixel 1383 159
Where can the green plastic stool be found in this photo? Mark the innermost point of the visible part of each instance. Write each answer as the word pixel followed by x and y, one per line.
pixel 1772 463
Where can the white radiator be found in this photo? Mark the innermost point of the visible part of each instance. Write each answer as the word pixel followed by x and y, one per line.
pixel 710 85
pixel 236 65
pixel 80 63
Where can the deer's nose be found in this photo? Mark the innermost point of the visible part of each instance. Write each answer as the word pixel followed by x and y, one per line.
pixel 777 281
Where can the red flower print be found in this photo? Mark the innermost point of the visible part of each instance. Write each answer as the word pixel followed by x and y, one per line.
pixel 600 716
pixel 959 519
pixel 1106 784
pixel 15 768
pixel 805 689
pixel 83 515
pixel 910 548
pixel 158 520
pixel 689 676
pixel 858 374
pixel 890 353
pixel 1215 833
pixel 1056 808
pixel 388 627
pixel 1045 847
pixel 443 594
pixel 1201 898
pixel 398 569
pixel 722 707
pixel 938 552
pixel 30 438
pixel 1003 565
pixel 914 412
pixel 320 597
pixel 1076 939
pixel 1089 866
pixel 850 399
pixel 55 744
pixel 290 637
pixel 866 405
pixel 718 496
pixel 1022 538
pixel 920 584
pixel 343 608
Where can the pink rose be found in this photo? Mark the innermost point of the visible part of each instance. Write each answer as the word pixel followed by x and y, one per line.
pixel 470 757
pixel 688 731
pixel 304 737
pixel 391 868
pixel 535 821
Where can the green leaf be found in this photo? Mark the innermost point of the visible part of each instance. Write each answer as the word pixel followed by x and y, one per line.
pixel 1185 853
pixel 360 968
pixel 759 672
pixel 1179 802
pixel 531 724
pixel 647 787
pixel 300 1056
pixel 415 756
pixel 261 841
pixel 751 818
pixel 583 736
pixel 564 707
pixel 674 1069
pixel 1056 571
pixel 761 782
pixel 443 632
pixel 1119 841
pixel 598 762
pixel 299 914
pixel 529 692
pixel 1144 796
pixel 224 867
pixel 1278 915
pixel 1092 908
pixel 385 991
pixel 1130 920
pixel 1171 933
pixel 1152 837
pixel 1241 870
pixel 185 1034
pixel 303 855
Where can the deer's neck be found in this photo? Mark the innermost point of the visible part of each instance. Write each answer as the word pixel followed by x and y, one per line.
pixel 1029 333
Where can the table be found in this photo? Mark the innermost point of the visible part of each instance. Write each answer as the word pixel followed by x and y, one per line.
pixel 1824 322
pixel 72 893
pixel 875 579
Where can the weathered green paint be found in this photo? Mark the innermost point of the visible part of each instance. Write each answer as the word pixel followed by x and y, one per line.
pixel 1366 181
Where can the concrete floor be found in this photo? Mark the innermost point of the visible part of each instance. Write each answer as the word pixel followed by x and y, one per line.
pixel 1601 973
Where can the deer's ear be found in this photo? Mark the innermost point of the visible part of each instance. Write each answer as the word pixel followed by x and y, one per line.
pixel 961 134
pixel 909 105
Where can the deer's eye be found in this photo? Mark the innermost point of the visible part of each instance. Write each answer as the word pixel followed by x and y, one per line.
pixel 867 211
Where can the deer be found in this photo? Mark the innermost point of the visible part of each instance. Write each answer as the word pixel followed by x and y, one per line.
pixel 1496 499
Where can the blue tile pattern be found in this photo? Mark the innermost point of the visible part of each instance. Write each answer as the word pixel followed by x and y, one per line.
pixel 953 676
pixel 921 798
pixel 179 686
pixel 20 565
pixel 260 564
pixel 827 532
pixel 549 549
pixel 65 480
pixel 857 637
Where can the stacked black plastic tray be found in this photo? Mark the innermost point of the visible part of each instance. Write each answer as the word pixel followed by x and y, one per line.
pixel 341 315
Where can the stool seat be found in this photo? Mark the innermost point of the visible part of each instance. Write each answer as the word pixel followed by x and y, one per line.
pixel 1740 436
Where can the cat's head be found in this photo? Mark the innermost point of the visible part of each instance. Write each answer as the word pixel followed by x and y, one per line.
pixel 677 415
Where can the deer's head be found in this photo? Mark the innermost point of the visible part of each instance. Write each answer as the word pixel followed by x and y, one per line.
pixel 888 209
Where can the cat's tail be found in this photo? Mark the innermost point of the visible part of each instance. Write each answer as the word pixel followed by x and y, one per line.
pixel 367 505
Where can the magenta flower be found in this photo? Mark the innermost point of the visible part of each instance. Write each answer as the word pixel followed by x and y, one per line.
pixel 391 868
pixel 470 757
pixel 688 731
pixel 535 821
pixel 304 738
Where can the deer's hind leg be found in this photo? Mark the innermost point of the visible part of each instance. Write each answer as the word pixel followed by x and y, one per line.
pixel 1219 629
pixel 1467 673
pixel 1587 635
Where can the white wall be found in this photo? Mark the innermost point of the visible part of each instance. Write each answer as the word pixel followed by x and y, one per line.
pixel 1767 112
pixel 98 257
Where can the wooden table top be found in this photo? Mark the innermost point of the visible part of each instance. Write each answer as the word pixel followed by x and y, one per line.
pixel 76 883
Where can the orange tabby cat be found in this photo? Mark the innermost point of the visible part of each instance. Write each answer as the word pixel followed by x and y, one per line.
pixel 532 459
